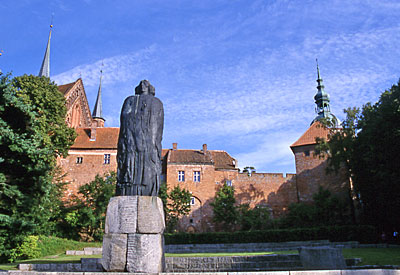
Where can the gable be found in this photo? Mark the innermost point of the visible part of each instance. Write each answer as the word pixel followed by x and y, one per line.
pixel 78 111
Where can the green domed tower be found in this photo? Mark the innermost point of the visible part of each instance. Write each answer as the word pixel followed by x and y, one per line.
pixel 322 100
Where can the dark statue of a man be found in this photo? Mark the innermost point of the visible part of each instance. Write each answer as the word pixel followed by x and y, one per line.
pixel 139 143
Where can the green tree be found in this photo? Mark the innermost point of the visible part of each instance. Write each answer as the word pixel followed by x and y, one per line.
pixel 326 209
pixel 224 209
pixel 85 219
pixel 33 133
pixel 377 160
pixel 339 151
pixel 176 205
pixel 257 218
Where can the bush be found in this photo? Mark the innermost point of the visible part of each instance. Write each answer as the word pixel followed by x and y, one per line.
pixel 361 233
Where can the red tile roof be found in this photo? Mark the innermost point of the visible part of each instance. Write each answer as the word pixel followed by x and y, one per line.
pixel 220 159
pixel 223 160
pixel 189 156
pixel 308 138
pixel 66 87
pixel 106 138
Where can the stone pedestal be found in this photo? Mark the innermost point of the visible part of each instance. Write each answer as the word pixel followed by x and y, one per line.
pixel 133 239
pixel 322 258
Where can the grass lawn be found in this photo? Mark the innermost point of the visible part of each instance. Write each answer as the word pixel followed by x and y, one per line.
pixel 369 256
pixel 374 256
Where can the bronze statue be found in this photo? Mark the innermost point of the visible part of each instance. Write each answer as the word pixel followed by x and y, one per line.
pixel 139 143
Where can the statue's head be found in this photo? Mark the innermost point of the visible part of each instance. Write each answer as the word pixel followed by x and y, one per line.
pixel 145 88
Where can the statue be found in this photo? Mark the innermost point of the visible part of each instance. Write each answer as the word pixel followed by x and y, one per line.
pixel 139 143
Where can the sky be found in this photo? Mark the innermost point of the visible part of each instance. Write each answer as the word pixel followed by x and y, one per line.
pixel 239 76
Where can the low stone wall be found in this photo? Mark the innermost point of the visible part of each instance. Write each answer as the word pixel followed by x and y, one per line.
pixel 243 247
pixel 252 247
pixel 85 251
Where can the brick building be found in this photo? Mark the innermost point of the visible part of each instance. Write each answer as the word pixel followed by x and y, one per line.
pixel 201 171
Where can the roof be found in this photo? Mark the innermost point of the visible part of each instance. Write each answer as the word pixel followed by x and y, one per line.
pixel 220 159
pixel 189 156
pixel 316 130
pixel 106 138
pixel 66 87
pixel 223 160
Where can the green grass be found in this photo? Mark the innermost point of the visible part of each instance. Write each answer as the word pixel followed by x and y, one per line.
pixel 369 256
pixel 57 246
pixel 374 256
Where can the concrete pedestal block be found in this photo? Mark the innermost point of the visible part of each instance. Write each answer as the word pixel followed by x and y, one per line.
pixel 145 253
pixel 150 219
pixel 322 258
pixel 133 239
pixel 114 252
pixel 121 215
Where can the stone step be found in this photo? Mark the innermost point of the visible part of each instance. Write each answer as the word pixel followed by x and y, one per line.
pixel 194 264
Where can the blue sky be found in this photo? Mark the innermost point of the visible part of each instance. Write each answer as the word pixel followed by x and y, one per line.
pixel 237 75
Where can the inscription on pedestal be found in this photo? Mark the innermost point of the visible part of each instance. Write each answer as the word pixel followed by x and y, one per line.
pixel 145 253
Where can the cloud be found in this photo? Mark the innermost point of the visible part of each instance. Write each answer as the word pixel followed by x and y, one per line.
pixel 121 68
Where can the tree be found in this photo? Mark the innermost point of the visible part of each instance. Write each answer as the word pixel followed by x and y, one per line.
pixel 368 147
pixel 257 218
pixel 377 160
pixel 224 208
pixel 176 205
pixel 326 210
pixel 85 219
pixel 339 150
pixel 33 133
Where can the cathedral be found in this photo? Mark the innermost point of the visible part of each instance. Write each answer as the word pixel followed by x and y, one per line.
pixel 201 171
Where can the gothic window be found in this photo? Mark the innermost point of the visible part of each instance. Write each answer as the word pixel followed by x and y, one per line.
pixel 228 182
pixel 181 176
pixel 79 160
pixel 196 176
pixel 192 200
pixel 107 158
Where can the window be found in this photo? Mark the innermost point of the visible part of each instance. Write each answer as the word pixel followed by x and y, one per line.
pixel 181 175
pixel 217 182
pixel 107 158
pixel 191 220
pixel 196 176
pixel 192 200
pixel 229 182
pixel 79 160
pixel 307 153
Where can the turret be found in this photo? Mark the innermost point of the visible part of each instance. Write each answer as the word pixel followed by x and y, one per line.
pixel 322 100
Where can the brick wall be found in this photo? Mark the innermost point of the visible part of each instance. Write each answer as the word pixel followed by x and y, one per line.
pixel 92 164
pixel 311 174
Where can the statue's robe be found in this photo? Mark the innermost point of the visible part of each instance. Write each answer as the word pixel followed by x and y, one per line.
pixel 139 146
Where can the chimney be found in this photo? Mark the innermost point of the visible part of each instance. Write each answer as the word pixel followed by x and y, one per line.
pixel 204 148
pixel 93 134
pixel 174 146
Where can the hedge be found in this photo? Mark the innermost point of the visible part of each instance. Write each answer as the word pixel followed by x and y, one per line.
pixel 361 233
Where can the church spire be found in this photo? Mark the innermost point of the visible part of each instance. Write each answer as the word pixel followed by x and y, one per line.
pixel 322 100
pixel 45 68
pixel 98 106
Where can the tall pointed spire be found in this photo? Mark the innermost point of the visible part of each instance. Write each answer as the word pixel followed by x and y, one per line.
pixel 45 68
pixel 98 106
pixel 322 100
